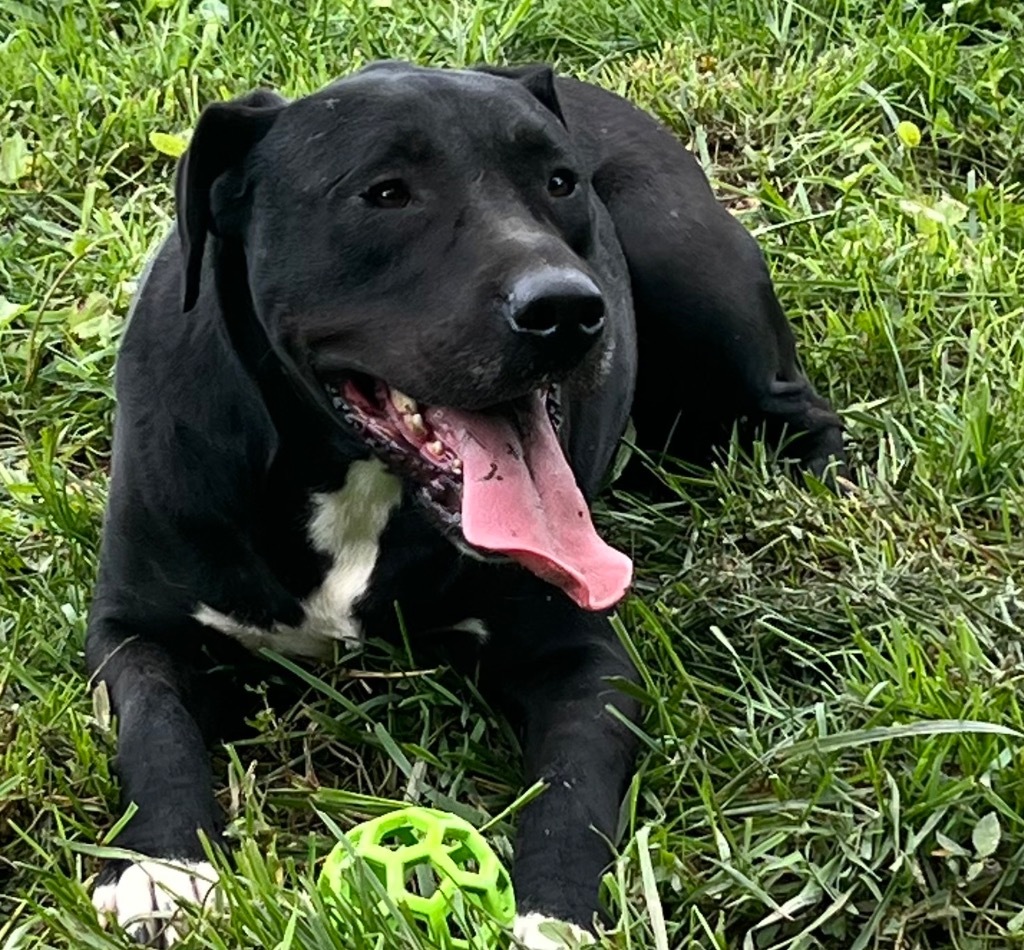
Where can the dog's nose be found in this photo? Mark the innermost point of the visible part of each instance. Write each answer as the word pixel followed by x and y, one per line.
pixel 556 302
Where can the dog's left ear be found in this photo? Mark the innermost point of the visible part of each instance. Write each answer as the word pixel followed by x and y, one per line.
pixel 223 137
pixel 539 80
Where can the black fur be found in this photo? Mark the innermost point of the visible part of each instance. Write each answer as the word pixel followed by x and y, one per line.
pixel 281 275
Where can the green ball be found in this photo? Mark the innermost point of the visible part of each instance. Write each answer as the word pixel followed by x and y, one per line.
pixel 429 863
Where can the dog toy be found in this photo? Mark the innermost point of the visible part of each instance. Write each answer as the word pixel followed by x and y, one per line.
pixel 431 865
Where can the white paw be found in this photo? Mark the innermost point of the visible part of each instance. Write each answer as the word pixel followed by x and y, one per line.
pixel 145 899
pixel 557 935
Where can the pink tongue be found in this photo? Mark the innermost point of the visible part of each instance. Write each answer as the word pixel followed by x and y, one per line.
pixel 522 500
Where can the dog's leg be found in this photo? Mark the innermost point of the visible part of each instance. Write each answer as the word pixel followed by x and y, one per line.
pixel 715 349
pixel 550 665
pixel 164 772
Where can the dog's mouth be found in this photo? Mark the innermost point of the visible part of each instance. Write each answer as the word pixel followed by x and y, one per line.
pixel 497 476
pixel 400 432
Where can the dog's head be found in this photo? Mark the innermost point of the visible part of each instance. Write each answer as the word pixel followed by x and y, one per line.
pixel 420 250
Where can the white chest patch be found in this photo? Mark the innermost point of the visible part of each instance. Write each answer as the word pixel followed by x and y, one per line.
pixel 346 525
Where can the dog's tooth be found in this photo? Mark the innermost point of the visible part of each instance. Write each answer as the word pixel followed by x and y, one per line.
pixel 406 405
pixel 435 448
pixel 415 423
pixel 457 466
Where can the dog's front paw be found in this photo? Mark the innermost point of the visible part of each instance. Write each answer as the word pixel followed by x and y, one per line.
pixel 145 898
pixel 537 932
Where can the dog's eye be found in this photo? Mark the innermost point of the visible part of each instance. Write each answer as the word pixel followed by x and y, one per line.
pixel 562 183
pixel 393 193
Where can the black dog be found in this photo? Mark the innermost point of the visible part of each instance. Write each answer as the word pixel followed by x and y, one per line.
pixel 389 357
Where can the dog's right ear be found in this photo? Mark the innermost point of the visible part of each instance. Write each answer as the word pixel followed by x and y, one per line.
pixel 223 137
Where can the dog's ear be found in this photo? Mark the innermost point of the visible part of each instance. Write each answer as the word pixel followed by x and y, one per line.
pixel 539 80
pixel 225 133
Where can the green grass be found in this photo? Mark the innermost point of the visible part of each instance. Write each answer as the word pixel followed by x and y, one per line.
pixel 833 687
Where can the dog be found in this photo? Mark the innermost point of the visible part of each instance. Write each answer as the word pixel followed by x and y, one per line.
pixel 388 356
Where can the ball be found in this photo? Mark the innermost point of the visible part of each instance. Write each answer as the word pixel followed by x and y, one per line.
pixel 431 864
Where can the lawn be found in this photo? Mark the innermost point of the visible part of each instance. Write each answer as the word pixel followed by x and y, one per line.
pixel 833 687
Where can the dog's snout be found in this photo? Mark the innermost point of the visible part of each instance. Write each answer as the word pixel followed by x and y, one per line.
pixel 556 302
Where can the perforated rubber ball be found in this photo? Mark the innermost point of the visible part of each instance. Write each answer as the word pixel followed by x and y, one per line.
pixel 430 863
